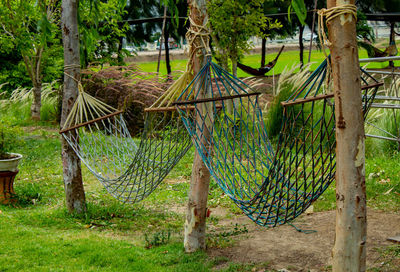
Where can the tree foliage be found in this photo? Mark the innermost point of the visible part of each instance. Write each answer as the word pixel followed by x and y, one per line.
pixel 101 30
pixel 233 23
pixel 28 27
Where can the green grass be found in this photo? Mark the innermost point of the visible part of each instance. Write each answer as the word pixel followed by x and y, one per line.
pixel 38 234
pixel 287 59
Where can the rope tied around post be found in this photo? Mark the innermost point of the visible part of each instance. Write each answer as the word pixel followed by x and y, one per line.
pixel 198 38
pixel 331 14
pixel 198 32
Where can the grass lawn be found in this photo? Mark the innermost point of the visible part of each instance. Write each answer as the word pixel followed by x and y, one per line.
pixel 287 59
pixel 37 234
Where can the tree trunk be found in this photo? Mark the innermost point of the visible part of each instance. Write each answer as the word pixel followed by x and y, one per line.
pixel 195 224
pixel 120 55
pixel 263 51
pixel 349 249
pixel 301 44
pixel 312 30
pixel 74 191
pixel 161 39
pixel 37 101
pixel 392 40
pixel 166 44
pixel 234 67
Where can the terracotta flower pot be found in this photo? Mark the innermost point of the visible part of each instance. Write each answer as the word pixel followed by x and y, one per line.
pixel 7 187
pixel 8 171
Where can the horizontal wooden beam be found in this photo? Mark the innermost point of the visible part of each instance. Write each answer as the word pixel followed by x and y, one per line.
pixel 90 122
pixel 205 100
pixel 324 96
pixel 165 109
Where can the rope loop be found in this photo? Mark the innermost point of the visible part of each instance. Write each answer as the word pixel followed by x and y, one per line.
pixel 331 14
pixel 200 33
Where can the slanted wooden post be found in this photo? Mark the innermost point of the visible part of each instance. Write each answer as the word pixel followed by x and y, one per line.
pixel 74 191
pixel 349 249
pixel 195 224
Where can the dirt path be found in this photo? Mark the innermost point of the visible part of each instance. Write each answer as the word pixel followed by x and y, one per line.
pixel 285 248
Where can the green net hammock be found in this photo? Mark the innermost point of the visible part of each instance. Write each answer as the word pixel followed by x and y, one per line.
pixel 270 185
pixel 129 169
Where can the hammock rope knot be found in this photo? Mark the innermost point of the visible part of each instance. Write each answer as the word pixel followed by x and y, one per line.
pixel 331 14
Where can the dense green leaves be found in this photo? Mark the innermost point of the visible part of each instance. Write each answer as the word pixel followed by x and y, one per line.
pixel 300 9
pixel 233 23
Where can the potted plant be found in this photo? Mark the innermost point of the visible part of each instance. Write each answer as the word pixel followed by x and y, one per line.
pixel 8 161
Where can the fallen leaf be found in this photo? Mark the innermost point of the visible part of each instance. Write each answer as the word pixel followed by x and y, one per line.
pixel 388 192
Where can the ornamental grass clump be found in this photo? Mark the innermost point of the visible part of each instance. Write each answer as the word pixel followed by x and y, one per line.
pixel 9 139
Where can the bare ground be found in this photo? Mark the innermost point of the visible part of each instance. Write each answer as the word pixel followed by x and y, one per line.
pixel 286 249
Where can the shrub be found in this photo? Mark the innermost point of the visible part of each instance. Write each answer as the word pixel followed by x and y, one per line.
pixel 288 82
pixel 127 88
pixel 20 100
pixel 9 138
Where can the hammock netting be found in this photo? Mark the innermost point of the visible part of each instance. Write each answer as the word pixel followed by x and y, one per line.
pixel 129 169
pixel 271 184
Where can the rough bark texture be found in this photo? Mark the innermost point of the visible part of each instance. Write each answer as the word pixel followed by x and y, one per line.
pixel 74 191
pixel 195 224
pixel 37 101
pixel 349 252
pixel 33 65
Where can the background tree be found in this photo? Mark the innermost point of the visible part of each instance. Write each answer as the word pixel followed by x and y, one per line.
pixel 101 30
pixel 233 23
pixel 174 27
pixel 27 27
pixel 288 28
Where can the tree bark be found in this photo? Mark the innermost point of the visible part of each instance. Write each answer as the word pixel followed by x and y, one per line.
pixel 301 44
pixel 195 224
pixel 263 51
pixel 392 40
pixel 166 45
pixel 349 249
pixel 162 38
pixel 74 191
pixel 37 101
pixel 33 65
pixel 234 67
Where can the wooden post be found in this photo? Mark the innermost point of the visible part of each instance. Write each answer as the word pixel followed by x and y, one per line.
pixel 195 224
pixel 74 191
pixel 349 249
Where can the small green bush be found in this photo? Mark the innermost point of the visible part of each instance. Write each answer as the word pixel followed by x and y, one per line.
pixel 9 138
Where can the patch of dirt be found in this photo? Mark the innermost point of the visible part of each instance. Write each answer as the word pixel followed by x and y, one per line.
pixel 285 248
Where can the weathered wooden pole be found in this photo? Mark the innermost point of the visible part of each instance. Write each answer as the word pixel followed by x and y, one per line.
pixel 74 191
pixel 195 224
pixel 349 249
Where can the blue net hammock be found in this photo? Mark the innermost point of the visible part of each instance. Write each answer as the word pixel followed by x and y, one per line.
pixel 130 169
pixel 271 183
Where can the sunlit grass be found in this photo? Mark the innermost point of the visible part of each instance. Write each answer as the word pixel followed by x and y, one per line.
pixel 287 59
